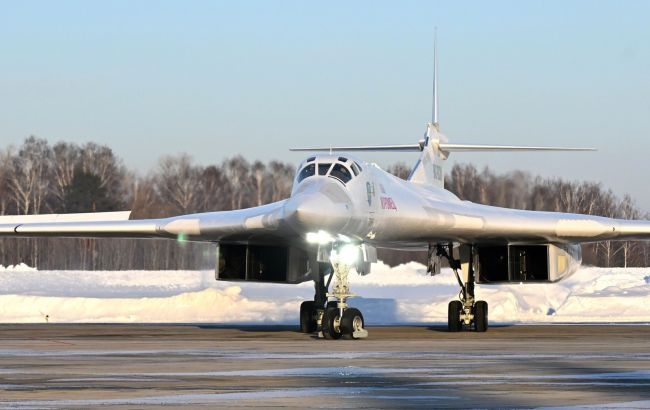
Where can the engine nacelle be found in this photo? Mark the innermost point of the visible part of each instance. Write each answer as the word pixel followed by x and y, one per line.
pixel 265 263
pixel 526 263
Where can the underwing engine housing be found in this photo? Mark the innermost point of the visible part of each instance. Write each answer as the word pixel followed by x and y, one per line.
pixel 265 263
pixel 516 263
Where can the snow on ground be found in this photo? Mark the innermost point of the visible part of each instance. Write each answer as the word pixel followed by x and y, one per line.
pixel 403 294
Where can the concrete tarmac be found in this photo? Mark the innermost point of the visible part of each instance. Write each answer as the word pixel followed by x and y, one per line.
pixel 141 366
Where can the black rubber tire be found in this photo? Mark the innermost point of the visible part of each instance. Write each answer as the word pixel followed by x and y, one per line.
pixel 352 320
pixel 330 331
pixel 481 316
pixel 307 321
pixel 453 316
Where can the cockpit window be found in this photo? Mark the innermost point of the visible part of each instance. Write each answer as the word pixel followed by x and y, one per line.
pixel 342 169
pixel 341 172
pixel 323 168
pixel 307 171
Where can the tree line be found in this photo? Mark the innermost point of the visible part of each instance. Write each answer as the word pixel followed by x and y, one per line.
pixel 38 178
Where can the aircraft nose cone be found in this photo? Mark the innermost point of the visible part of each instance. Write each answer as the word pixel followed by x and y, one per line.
pixel 319 209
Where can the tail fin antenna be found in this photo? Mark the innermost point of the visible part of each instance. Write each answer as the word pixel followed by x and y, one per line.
pixel 434 114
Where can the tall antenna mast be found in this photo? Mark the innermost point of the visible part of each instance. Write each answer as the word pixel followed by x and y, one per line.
pixel 434 115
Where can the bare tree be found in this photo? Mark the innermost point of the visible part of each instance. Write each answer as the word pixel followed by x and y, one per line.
pixel 178 183
pixel 66 159
pixel 28 177
pixel 28 181
pixel 100 160
pixel 216 188
pixel 237 172
pixel 400 170
pixel 258 174
pixel 281 180
pixel 144 201
pixel 628 210
pixel 5 170
pixel 608 249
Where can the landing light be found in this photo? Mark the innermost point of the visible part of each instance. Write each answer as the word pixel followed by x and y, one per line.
pixel 347 254
pixel 320 237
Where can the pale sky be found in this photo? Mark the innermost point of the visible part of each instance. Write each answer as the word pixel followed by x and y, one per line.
pixel 219 78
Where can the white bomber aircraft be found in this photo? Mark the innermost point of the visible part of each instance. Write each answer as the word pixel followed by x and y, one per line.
pixel 341 209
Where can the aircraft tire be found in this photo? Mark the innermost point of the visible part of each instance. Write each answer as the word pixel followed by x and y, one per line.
pixel 453 316
pixel 329 324
pixel 351 321
pixel 307 322
pixel 481 316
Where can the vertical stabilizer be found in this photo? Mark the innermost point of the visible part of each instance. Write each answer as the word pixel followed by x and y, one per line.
pixel 428 169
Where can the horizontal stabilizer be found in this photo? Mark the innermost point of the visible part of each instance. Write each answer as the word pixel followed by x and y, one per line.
pixel 443 147
pixel 471 147
pixel 395 148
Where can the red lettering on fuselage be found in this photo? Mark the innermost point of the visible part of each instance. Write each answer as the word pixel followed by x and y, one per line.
pixel 387 203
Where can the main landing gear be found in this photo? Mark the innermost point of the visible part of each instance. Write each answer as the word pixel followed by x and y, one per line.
pixel 466 312
pixel 333 319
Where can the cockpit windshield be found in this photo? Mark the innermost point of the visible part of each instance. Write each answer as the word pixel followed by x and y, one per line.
pixel 341 168
pixel 341 172
pixel 307 171
pixel 323 168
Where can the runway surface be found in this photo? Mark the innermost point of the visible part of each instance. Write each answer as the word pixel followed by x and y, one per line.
pixel 137 366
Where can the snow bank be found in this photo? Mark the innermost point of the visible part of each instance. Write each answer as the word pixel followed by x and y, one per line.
pixel 404 294
pixel 20 267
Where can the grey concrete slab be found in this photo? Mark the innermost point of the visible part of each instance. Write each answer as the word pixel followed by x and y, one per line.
pixel 136 366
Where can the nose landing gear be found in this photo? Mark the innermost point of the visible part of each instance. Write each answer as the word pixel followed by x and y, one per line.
pixel 337 320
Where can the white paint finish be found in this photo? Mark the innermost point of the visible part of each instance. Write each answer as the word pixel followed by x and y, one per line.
pixel 582 228
pixel 187 226
pixel 90 216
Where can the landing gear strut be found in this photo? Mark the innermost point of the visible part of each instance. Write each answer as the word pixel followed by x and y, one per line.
pixel 339 320
pixel 465 312
pixel 333 319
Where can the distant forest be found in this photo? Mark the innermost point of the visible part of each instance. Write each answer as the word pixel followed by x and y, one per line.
pixel 38 178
